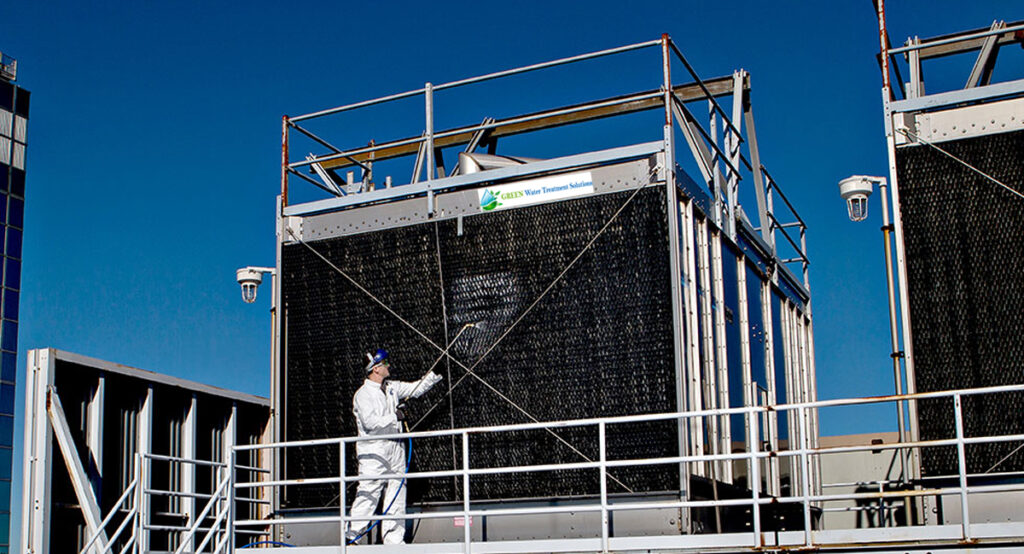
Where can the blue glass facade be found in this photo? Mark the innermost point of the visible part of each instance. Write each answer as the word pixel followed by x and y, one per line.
pixel 13 126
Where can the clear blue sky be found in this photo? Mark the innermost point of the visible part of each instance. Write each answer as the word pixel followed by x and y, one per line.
pixel 155 133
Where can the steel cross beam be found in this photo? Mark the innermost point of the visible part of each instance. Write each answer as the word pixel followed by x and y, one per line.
pixel 79 479
pixel 539 120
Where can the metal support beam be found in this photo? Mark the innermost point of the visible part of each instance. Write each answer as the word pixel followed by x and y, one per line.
pixel 759 182
pixel 588 111
pixel 35 494
pixel 981 73
pixel 94 437
pixel 675 266
pixel 721 351
pixel 79 478
pixel 189 503
pixel 144 445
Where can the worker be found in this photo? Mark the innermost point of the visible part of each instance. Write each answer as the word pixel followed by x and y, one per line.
pixel 378 410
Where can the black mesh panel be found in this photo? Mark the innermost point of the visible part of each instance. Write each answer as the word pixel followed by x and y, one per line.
pixel 964 237
pixel 598 344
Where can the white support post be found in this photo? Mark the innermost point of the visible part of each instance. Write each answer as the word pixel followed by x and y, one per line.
pixel 693 365
pixel 708 339
pixel 35 515
pixel 603 468
pixel 189 503
pixel 722 352
pixel 94 437
pixel 144 445
pixel 230 440
pixel 79 478
pixel 772 428
pixel 717 178
pixel 733 145
pixel 749 393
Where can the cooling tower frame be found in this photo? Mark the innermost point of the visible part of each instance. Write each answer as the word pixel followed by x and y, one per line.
pixel 926 130
pixel 735 302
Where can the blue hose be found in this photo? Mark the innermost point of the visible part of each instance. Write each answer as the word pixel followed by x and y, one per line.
pixel 408 462
pixel 275 543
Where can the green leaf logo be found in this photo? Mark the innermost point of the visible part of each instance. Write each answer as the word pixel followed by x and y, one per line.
pixel 489 200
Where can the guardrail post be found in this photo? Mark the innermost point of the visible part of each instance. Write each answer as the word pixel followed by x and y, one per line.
pixel 428 94
pixel 141 513
pixel 342 500
pixel 229 497
pixel 805 473
pixel 755 475
pixel 465 491
pixel 140 493
pixel 604 485
pixel 962 465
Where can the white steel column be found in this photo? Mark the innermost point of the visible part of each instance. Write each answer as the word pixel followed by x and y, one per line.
pixel 675 265
pixel 189 504
pixel 707 339
pixel 144 445
pixel 230 439
pixel 94 437
pixel 35 494
pixel 721 350
pixel 693 365
pixel 774 478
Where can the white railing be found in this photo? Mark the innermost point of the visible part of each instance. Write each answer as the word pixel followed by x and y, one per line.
pixel 216 529
pixel 802 452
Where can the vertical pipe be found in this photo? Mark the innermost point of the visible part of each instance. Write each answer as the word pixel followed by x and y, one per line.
pixel 465 492
pixel 342 500
pixel 428 94
pixel 894 333
pixel 962 466
pixel 770 201
pixel 277 355
pixel 284 161
pixel 604 485
pixel 883 40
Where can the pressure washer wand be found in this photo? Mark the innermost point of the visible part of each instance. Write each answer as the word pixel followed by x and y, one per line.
pixel 444 353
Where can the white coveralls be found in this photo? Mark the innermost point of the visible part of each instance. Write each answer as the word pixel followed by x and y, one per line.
pixel 374 407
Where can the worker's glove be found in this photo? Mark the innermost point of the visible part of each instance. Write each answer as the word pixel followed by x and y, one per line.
pixel 433 379
pixel 400 412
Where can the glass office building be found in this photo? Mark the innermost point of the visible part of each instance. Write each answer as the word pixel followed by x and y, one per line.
pixel 13 123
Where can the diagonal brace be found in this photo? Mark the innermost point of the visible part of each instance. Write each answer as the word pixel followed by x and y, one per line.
pixel 79 479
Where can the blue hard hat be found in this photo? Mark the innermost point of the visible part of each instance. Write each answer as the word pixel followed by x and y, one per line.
pixel 376 358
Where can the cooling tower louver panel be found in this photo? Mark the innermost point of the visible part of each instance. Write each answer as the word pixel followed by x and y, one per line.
pixel 964 238
pixel 598 344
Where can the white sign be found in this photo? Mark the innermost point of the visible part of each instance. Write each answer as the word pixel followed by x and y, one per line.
pixel 535 191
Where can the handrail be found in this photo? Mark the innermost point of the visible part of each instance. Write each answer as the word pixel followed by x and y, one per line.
pixel 642 418
pixel 106 520
pixel 481 78
pixel 773 184
pixel 955 39
pixel 216 497
pixel 805 455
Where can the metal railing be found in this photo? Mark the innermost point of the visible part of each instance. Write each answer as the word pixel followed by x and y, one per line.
pixel 802 453
pixel 209 530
